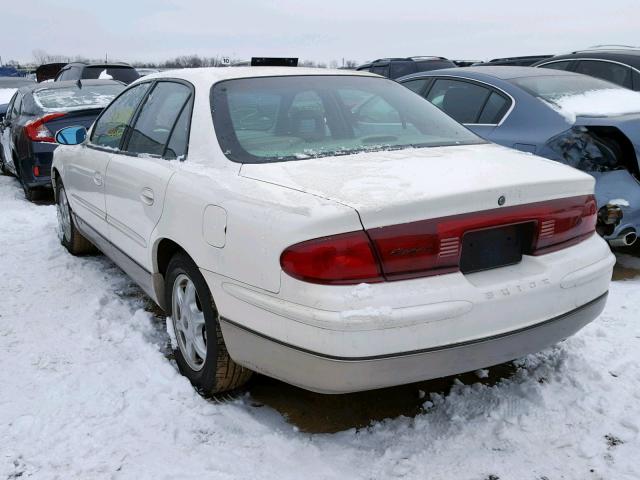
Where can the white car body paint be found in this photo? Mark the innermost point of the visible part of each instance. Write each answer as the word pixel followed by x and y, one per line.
pixel 235 220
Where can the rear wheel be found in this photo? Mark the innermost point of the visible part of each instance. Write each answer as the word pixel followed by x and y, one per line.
pixel 68 234
pixel 201 354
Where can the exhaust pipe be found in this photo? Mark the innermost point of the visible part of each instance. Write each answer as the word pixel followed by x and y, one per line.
pixel 626 238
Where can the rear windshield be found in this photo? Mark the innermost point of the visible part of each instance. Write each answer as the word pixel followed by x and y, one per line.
pixel 72 98
pixel 274 119
pixel 551 87
pixel 122 74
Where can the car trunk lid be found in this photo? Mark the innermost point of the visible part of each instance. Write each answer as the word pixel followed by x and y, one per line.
pixel 396 187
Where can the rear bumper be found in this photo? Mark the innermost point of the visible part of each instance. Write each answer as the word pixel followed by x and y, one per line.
pixel 396 332
pixel 329 374
pixel 41 157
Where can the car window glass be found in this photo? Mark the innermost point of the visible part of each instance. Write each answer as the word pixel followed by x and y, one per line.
pixel 179 141
pixel 400 69
pixel 274 119
pixel 461 100
pixel 636 80
pixel 494 109
pixel 109 128
pixel 17 106
pixel 157 117
pixel 558 65
pixel 618 74
pixel 10 106
pixel 63 74
pixel 377 110
pixel 416 85
pixel 380 70
pixel 122 74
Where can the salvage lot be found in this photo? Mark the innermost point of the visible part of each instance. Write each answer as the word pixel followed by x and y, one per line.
pixel 88 391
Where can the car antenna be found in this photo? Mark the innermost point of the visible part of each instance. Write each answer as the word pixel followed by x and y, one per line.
pixel 79 83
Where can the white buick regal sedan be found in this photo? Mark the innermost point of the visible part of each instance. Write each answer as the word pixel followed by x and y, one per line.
pixel 329 228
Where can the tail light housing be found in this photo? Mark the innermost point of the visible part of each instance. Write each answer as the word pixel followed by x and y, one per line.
pixel 433 247
pixel 37 131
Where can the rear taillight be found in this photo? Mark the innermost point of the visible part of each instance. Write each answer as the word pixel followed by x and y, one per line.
pixel 37 130
pixel 433 247
pixel 339 259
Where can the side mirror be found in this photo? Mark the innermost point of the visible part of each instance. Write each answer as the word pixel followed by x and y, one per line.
pixel 71 135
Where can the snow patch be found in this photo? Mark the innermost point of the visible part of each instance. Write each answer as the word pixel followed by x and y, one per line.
pixel 620 202
pixel 597 103
pixel 86 392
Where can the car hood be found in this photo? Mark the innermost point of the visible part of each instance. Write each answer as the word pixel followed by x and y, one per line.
pixel 401 186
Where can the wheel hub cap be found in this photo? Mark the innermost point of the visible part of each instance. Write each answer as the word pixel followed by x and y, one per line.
pixel 64 218
pixel 188 322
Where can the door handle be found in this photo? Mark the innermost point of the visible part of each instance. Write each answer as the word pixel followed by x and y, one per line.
pixel 97 178
pixel 146 195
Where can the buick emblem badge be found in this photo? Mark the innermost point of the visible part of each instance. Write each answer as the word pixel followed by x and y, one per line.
pixel 501 200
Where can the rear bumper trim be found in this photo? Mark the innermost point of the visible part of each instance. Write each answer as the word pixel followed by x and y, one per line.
pixel 573 313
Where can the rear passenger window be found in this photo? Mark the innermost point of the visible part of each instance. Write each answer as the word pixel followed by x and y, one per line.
pixel 417 86
pixel 461 100
pixel 558 65
pixel 157 117
pixel 179 140
pixel 109 128
pixel 494 109
pixel 618 74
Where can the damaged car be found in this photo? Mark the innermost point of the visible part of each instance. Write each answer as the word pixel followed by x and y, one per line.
pixel 581 121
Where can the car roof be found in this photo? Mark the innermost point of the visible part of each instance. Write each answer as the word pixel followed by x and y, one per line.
pixel 215 74
pixel 500 72
pixel 100 64
pixel 66 84
pixel 630 56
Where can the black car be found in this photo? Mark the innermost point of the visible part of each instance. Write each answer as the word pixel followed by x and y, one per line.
pixel 33 116
pixel 524 61
pixel 123 72
pixel 617 64
pixel 398 67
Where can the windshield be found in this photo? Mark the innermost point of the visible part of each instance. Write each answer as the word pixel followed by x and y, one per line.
pixel 71 98
pixel 273 119
pixel 554 87
pixel 122 74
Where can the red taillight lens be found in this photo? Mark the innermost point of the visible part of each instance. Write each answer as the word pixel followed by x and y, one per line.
pixel 37 130
pixel 567 221
pixel 338 259
pixel 433 247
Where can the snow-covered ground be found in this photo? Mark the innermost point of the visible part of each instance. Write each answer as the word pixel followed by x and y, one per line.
pixel 87 392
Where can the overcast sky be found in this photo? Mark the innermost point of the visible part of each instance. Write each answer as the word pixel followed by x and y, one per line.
pixel 318 30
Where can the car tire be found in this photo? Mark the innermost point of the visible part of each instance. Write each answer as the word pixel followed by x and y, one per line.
pixel 31 194
pixel 68 234
pixel 195 319
pixel 3 166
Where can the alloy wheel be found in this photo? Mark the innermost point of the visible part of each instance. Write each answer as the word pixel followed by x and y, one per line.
pixel 188 322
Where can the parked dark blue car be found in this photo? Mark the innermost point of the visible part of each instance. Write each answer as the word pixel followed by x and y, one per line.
pixel 33 116
pixel 526 108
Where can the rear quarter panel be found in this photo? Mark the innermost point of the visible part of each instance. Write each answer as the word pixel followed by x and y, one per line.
pixel 261 221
